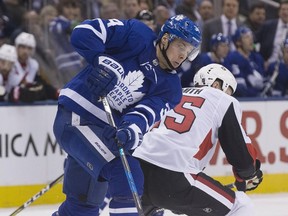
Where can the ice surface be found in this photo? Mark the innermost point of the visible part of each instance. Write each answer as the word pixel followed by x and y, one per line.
pixel 266 205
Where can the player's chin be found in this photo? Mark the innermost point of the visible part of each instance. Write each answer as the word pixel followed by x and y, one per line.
pixel 173 64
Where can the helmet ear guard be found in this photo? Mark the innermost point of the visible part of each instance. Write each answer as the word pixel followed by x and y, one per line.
pixel 208 74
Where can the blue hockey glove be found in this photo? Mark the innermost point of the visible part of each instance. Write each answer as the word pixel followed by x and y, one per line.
pixel 251 182
pixel 109 138
pixel 129 136
pixel 103 78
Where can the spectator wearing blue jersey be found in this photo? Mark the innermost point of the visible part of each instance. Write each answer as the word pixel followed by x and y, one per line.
pixel 277 73
pixel 219 50
pixel 67 60
pixel 135 69
pixel 246 64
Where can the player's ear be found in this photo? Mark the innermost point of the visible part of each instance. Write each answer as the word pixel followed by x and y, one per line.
pixel 165 40
pixel 216 84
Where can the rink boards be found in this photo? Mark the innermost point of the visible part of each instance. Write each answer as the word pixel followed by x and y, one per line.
pixel 30 157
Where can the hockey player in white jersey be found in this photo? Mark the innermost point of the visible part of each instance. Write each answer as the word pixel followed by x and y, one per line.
pixel 8 57
pixel 175 153
pixel 136 70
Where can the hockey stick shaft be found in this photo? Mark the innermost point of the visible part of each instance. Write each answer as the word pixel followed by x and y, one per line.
pixel 37 195
pixel 231 186
pixel 125 163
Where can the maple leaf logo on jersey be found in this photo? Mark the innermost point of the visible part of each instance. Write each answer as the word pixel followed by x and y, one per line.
pixel 126 93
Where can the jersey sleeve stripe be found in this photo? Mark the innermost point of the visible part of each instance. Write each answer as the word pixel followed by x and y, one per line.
pixel 149 110
pixel 102 35
pixel 84 103
pixel 143 116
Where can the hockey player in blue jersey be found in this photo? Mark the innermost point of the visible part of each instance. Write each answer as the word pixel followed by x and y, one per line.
pixel 136 70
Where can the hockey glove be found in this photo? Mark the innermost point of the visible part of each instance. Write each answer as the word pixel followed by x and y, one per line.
pixel 129 136
pixel 102 79
pixel 109 138
pixel 251 182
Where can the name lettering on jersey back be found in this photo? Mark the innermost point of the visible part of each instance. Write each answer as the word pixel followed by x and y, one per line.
pixel 192 90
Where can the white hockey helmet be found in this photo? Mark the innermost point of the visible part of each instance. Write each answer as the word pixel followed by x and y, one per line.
pixel 209 73
pixel 8 53
pixel 25 39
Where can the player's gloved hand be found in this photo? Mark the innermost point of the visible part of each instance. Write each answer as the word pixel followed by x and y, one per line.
pixel 251 182
pixel 129 136
pixel 104 77
pixel 109 138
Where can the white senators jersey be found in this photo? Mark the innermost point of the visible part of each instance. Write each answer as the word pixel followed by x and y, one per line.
pixel 20 73
pixel 185 139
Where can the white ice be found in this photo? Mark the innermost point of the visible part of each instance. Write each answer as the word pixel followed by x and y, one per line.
pixel 266 205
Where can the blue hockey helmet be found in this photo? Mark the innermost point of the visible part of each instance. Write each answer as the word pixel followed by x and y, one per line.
pixel 218 38
pixel 242 30
pixel 182 27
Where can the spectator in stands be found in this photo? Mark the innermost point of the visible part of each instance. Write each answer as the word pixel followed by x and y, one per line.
pixel 226 23
pixel 15 11
pixel 189 9
pixel 30 23
pixel 146 5
pixel 24 81
pixel 110 10
pixel 131 8
pixel 146 17
pixel 256 17
pixel 206 12
pixel 170 5
pixel 68 61
pixel 277 72
pixel 44 53
pixel 272 34
pixel 8 57
pixel 219 51
pixel 246 64
pixel 5 29
pixel 161 14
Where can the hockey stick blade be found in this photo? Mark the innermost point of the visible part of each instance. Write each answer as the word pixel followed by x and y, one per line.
pixel 37 195
pixel 125 163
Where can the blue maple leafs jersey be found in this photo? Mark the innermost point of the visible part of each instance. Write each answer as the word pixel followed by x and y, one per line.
pixel 144 91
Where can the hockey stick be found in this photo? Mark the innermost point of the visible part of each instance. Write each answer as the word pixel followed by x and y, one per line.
pixel 231 186
pixel 124 160
pixel 37 195
pixel 272 79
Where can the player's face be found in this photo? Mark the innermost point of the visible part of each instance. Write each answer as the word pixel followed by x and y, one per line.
pixel 24 52
pixel 222 50
pixel 5 67
pixel 178 51
pixel 247 42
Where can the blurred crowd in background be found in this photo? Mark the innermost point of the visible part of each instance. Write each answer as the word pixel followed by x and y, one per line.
pixel 247 37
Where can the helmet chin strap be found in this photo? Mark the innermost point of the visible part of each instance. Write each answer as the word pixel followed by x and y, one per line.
pixel 164 53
